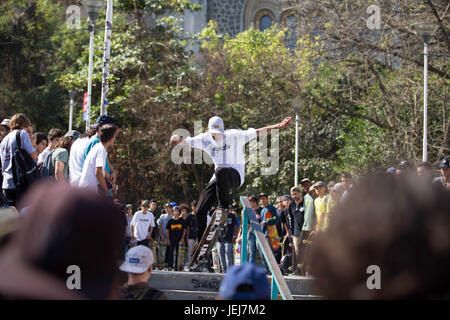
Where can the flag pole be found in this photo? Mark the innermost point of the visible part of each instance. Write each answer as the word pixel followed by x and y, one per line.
pixel 106 57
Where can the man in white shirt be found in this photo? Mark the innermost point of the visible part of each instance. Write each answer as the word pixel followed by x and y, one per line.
pixel 92 175
pixel 226 148
pixel 76 160
pixel 142 225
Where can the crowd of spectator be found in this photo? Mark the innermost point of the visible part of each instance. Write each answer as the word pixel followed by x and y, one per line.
pixel 101 236
pixel 79 159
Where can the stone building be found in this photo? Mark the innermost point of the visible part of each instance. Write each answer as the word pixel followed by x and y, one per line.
pixel 234 16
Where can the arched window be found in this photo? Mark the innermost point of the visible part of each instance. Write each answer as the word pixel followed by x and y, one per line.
pixel 289 21
pixel 265 22
pixel 264 19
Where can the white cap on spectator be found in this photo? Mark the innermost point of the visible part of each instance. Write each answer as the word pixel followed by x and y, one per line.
pixel 137 260
pixel 5 122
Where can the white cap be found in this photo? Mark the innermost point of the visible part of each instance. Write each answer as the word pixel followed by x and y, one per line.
pixel 215 125
pixel 137 260
pixel 5 122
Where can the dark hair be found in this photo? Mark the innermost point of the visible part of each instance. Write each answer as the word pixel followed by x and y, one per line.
pixel 425 164
pixel 19 121
pixel 65 143
pixel 346 175
pixel 54 133
pixel 107 132
pixel 184 206
pixel 39 137
pixel 194 203
pixel 59 221
pixel 405 235
pixel 91 132
pixel 153 200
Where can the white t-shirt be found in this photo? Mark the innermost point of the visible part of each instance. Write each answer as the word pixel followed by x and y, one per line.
pixel 95 159
pixel 141 224
pixel 229 152
pixel 76 160
pixel 43 156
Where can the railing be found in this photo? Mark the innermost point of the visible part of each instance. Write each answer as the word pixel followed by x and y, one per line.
pixel 278 282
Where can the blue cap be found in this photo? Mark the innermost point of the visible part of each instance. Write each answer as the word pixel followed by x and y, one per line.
pixel 391 170
pixel 103 119
pixel 445 163
pixel 173 204
pixel 245 274
pixel 286 197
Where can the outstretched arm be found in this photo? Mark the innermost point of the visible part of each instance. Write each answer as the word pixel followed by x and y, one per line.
pixel 266 130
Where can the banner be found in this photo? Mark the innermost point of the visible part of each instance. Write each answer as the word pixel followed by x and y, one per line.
pixel 85 103
pixel 106 57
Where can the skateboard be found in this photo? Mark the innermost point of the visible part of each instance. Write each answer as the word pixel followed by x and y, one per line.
pixel 153 247
pixel 200 258
pixel 181 257
pixel 162 248
pixel 273 232
pixel 216 260
pixel 237 254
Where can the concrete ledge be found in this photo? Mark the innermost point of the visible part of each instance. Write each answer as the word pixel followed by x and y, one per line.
pixel 204 295
pixel 210 282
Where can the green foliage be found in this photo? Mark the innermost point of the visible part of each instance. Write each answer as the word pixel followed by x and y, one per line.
pixel 158 7
pixel 357 114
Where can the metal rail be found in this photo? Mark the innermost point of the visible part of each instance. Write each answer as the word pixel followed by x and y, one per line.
pixel 278 282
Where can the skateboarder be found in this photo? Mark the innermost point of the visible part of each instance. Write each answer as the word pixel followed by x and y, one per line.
pixel 226 148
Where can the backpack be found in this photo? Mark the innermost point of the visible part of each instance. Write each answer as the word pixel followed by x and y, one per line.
pixel 24 169
pixel 45 170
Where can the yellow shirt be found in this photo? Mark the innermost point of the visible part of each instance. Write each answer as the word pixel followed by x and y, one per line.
pixel 330 205
pixel 321 210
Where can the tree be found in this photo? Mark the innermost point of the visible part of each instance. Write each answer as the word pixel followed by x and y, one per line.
pixel 375 76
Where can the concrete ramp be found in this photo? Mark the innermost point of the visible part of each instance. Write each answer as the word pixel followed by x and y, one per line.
pixel 205 286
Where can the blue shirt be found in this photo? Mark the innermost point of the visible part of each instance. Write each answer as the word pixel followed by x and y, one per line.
pixel 163 220
pixel 7 149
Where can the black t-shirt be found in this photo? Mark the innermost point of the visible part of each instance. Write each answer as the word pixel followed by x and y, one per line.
pixel 192 224
pixel 142 291
pixel 298 212
pixel 155 231
pixel 258 212
pixel 226 236
pixel 286 217
pixel 176 228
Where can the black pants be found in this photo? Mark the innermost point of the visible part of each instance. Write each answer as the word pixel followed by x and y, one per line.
pixel 173 248
pixel 11 197
pixel 303 236
pixel 143 242
pixel 217 190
